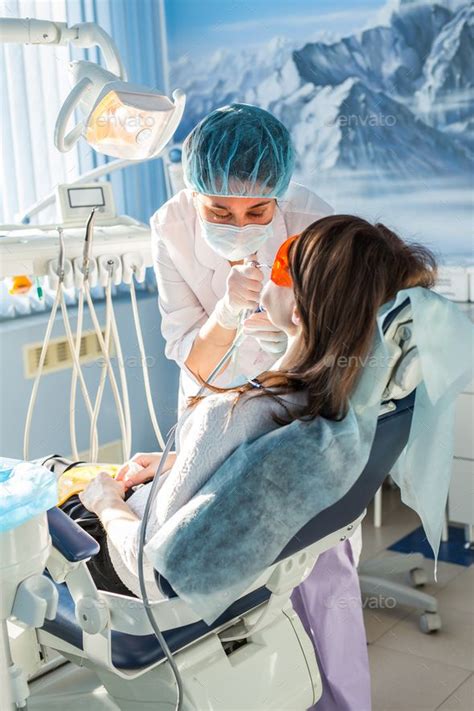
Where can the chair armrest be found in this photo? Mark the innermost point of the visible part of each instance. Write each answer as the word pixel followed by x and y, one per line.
pixel 69 539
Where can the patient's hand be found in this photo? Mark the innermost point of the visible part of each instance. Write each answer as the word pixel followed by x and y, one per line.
pixel 142 467
pixel 270 338
pixel 102 492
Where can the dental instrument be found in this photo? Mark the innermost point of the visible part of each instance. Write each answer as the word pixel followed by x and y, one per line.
pixel 42 358
pixel 59 270
pixel 113 381
pixel 124 419
pixel 84 271
pixel 232 352
pixel 103 372
pixel 143 359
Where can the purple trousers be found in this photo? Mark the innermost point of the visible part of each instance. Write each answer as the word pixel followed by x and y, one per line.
pixel 328 604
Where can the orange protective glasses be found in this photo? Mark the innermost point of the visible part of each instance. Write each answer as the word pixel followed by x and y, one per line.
pixel 281 266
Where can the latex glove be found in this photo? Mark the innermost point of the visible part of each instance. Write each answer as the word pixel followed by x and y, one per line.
pixel 140 468
pixel 102 492
pixel 243 288
pixel 270 338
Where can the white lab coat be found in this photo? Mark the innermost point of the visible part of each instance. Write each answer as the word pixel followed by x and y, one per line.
pixel 191 277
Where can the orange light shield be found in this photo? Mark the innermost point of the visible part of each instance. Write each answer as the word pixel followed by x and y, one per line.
pixel 280 274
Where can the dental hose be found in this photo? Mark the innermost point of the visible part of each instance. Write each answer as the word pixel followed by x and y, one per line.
pixel 146 514
pixel 110 371
pixel 75 356
pixel 59 301
pixel 73 391
pixel 94 442
pixel 124 420
pixel 103 374
pixel 123 382
pixel 146 378
pixel 39 373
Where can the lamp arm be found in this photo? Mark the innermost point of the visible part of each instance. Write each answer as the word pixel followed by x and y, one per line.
pixel 83 35
pixel 28 31
pixel 64 143
pixel 91 35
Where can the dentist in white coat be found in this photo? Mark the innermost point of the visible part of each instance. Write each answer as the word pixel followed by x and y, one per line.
pixel 240 203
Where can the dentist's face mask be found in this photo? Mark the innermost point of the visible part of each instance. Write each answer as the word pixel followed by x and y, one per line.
pixel 235 243
pixel 232 242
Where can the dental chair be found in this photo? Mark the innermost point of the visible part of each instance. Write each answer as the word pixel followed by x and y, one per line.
pixel 257 654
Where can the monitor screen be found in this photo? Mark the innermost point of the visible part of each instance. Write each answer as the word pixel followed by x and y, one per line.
pixel 86 197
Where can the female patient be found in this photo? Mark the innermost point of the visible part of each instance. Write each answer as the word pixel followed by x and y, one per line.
pixel 326 287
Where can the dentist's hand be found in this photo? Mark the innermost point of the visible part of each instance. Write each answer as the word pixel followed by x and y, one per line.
pixel 270 338
pixel 243 288
pixel 141 468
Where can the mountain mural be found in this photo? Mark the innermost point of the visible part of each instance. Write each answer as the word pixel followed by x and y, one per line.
pixel 392 101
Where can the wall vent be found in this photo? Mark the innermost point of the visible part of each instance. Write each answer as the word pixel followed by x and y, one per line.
pixel 58 354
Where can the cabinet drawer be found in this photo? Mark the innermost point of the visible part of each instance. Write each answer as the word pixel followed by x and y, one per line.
pixel 461 492
pixel 463 427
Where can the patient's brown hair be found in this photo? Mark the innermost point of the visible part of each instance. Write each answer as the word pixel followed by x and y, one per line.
pixel 343 269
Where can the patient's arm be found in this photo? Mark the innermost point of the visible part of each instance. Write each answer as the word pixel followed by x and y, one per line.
pixel 207 438
pixel 104 497
pixel 116 516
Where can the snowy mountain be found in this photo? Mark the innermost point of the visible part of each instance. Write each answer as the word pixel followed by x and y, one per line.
pixel 447 93
pixel 385 58
pixel 394 100
pixel 230 76
pixel 350 126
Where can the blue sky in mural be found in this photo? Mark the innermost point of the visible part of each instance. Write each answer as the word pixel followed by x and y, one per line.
pixel 231 23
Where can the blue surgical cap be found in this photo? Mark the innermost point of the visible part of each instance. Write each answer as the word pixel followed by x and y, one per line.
pixel 239 151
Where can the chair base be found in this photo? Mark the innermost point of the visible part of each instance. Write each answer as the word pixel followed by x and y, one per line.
pixel 373 582
pixel 273 669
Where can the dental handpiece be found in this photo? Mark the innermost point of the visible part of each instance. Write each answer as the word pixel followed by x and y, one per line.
pixel 237 340
pixel 248 312
pixel 88 243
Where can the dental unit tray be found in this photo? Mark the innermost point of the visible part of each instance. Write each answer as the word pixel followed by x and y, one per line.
pixel 30 249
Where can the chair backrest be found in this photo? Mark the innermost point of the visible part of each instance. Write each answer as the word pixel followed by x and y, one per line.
pixel 393 430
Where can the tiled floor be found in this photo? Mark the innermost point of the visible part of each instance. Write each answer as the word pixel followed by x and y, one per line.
pixel 410 671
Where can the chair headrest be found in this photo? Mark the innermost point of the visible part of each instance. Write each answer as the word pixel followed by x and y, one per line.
pixel 405 374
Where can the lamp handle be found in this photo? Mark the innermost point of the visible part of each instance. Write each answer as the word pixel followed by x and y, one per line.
pixel 64 143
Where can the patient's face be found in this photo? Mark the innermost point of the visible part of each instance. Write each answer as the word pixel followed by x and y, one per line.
pixel 279 303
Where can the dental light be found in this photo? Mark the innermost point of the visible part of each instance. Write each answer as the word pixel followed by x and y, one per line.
pixel 121 119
